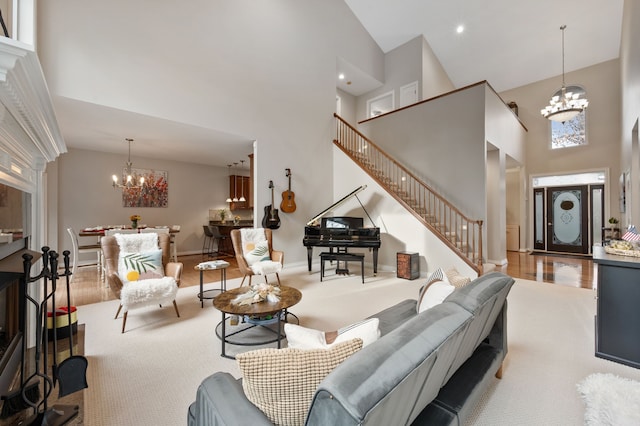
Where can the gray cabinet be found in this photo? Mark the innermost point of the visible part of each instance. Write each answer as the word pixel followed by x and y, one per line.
pixel 618 308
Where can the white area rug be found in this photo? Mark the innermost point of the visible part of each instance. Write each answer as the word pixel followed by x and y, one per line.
pixel 149 375
pixel 610 400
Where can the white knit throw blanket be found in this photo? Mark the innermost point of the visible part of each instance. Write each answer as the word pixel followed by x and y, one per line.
pixel 154 291
pixel 137 243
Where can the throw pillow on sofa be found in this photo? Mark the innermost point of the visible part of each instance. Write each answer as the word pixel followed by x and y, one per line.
pixel 456 279
pixel 282 382
pixel 434 291
pixel 299 337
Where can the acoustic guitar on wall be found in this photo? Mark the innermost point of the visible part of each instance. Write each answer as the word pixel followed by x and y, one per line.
pixel 271 219
pixel 288 204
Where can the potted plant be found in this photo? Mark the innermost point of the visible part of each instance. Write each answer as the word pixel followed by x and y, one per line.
pixel 223 214
pixel 134 220
pixel 613 222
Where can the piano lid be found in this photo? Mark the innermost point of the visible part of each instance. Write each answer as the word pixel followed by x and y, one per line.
pixel 314 221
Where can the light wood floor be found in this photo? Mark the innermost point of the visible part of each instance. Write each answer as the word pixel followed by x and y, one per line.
pixel 556 269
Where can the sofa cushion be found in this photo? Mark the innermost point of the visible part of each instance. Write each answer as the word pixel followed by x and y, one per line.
pixel 396 315
pixel 484 289
pixel 434 295
pixel 299 337
pixel 392 380
pixel 437 276
pixel 281 382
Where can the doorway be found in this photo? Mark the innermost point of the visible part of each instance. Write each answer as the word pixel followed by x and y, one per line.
pixel 567 219
pixel 568 212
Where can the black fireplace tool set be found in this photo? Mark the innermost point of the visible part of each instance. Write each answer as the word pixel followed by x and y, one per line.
pixel 71 374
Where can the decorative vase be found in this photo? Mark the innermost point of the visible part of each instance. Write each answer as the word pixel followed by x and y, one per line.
pixel 134 224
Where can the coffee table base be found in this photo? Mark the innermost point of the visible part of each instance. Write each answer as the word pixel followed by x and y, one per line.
pixel 254 333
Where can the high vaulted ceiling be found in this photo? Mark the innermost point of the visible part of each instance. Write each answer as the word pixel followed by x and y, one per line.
pixel 508 43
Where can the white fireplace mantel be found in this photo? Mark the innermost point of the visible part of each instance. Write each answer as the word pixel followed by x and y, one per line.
pixel 29 132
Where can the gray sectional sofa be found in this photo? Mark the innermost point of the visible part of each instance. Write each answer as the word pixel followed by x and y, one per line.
pixel 428 368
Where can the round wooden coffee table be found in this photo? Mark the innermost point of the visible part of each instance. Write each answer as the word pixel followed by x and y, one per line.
pixel 254 328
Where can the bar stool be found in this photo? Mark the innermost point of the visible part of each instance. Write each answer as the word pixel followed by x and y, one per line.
pixel 208 239
pixel 223 243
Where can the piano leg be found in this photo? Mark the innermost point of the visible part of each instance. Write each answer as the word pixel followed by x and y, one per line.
pixel 375 262
pixel 309 254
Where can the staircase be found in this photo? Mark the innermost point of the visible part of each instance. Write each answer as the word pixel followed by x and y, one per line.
pixel 461 234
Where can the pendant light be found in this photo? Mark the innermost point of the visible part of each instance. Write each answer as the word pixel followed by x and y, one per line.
pixel 229 200
pixel 127 181
pixel 567 102
pixel 242 199
pixel 235 186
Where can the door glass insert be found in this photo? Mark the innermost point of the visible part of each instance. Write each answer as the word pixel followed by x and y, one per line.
pixel 566 218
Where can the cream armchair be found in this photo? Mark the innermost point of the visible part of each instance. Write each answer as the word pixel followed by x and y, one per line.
pixel 252 260
pixel 144 292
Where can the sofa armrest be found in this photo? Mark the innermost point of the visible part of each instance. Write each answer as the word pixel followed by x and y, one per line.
pixel 497 337
pixel 220 400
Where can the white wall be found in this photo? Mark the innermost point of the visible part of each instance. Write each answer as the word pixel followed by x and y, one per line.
pixel 602 82
pixel 630 82
pixel 399 230
pixel 412 61
pixel 435 80
pixel 440 141
pixel 265 70
pixel 85 197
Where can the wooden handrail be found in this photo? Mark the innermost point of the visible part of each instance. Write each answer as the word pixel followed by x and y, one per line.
pixel 448 223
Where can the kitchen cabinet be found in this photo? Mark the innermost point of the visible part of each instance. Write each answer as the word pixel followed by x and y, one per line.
pixel 617 314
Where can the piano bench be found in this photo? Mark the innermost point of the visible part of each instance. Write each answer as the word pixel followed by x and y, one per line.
pixel 341 257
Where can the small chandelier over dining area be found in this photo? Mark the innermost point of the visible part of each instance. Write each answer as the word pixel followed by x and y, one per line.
pixel 567 102
pixel 126 182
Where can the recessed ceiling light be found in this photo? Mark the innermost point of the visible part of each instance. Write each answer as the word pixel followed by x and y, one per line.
pixel 341 76
pixel 460 29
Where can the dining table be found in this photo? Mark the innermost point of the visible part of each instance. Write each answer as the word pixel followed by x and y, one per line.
pixel 99 231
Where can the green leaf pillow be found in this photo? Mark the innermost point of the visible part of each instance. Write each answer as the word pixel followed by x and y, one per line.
pixel 140 266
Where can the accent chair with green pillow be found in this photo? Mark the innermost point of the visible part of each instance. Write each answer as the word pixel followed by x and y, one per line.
pixel 138 271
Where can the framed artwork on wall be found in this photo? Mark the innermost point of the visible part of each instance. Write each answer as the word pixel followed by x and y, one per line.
pixel 154 193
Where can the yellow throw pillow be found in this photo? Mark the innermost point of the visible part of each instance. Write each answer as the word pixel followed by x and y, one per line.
pixel 282 382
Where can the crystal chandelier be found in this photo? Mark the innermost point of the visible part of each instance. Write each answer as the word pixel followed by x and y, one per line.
pixel 566 103
pixel 127 180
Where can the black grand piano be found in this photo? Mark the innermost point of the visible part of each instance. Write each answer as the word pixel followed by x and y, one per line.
pixel 341 232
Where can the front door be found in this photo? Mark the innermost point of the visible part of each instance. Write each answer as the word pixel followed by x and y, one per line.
pixel 567 219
